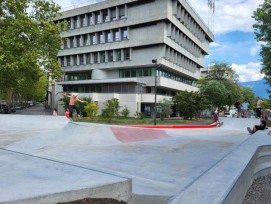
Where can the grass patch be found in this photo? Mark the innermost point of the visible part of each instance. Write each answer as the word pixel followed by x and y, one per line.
pixel 145 121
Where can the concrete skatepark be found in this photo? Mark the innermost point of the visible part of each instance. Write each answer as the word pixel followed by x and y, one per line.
pixel 47 159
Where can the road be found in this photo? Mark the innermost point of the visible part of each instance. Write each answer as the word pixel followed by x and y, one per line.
pixel 38 109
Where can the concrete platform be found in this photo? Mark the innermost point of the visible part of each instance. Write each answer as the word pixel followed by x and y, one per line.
pixel 39 153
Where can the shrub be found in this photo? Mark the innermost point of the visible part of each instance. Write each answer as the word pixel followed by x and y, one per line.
pixel 125 112
pixel 91 109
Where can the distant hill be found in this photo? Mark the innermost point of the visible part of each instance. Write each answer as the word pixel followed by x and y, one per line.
pixel 259 87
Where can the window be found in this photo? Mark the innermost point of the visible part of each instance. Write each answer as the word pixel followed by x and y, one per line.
pixel 75 22
pixel 122 12
pixel 78 41
pixel 100 38
pixel 98 17
pixel 85 40
pixel 110 56
pixel 124 34
pixel 105 16
pixel 113 14
pixel 126 54
pixel 82 19
pixel 116 35
pixel 102 57
pixel 62 61
pixel 68 60
pixel 75 60
pixel 88 58
pixel 95 57
pixel 92 39
pixel 90 19
pixel 65 43
pixel 118 55
pixel 108 36
pixel 72 42
pixel 81 57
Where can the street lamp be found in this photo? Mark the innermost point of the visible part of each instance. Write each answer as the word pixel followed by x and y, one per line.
pixel 154 61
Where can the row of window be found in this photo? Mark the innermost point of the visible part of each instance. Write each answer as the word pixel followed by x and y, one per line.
pixel 179 37
pixel 95 38
pixel 78 76
pixel 180 60
pixel 128 73
pixel 95 57
pixel 187 20
pixel 97 17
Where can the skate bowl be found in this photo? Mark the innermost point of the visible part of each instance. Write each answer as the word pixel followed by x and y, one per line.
pixel 134 164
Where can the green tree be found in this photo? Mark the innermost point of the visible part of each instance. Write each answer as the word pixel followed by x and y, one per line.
pixel 262 30
pixel 164 108
pixel 29 42
pixel 125 112
pixel 188 104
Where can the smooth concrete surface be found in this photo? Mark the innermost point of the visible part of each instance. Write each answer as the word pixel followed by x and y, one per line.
pixel 164 166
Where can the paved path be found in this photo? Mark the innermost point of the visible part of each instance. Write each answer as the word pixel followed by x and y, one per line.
pixel 59 156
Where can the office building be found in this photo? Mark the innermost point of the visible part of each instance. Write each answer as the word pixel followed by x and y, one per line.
pixel 110 46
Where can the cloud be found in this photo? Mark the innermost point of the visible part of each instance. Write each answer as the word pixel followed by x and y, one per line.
pixel 248 72
pixel 229 15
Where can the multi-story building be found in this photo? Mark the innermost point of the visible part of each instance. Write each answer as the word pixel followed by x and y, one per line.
pixel 109 47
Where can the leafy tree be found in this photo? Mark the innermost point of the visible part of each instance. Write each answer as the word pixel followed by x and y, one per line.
pixel 215 93
pixel 221 72
pixel 262 30
pixel 188 104
pixel 164 108
pixel 29 42
pixel 249 95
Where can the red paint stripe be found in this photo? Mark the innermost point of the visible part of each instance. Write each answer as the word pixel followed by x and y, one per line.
pixel 126 135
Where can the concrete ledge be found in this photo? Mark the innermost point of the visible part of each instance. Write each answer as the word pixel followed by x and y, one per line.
pixel 228 181
pixel 119 191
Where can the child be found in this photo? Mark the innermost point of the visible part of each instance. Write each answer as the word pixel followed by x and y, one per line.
pixel 216 119
pixel 67 114
pixel 55 112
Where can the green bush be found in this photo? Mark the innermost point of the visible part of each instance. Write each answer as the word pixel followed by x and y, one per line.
pixel 125 112
pixel 91 109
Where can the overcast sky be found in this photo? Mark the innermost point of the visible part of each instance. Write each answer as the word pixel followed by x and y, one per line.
pixel 231 23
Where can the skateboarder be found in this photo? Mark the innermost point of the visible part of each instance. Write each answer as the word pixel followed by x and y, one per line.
pixel 216 119
pixel 73 99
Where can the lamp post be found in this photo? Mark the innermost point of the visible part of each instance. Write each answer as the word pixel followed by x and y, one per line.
pixel 154 61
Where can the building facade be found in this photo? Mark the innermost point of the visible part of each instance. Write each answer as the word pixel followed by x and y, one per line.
pixel 109 47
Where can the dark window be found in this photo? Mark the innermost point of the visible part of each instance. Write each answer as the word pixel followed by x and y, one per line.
pixel 121 12
pixel 78 41
pixel 95 57
pixel 98 17
pixel 105 16
pixel 72 42
pixel 100 38
pixel 118 55
pixel 113 14
pixel 110 56
pixel 85 40
pixel 62 61
pixel 81 59
pixel 68 60
pixel 102 56
pixel 126 54
pixel 88 58
pixel 90 19
pixel 75 60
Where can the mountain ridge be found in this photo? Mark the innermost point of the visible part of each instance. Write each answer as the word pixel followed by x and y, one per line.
pixel 259 87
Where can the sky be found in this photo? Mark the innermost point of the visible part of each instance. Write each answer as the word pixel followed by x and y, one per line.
pixel 231 23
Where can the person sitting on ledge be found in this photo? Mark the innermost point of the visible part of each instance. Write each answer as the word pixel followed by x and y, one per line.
pixel 262 126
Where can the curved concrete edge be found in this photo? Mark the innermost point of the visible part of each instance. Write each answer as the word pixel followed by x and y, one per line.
pixel 229 179
pixel 212 125
pixel 120 191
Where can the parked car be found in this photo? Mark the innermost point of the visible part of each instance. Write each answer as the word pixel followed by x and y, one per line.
pixel 12 109
pixel 4 109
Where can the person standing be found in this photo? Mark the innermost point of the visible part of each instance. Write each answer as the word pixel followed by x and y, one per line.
pixel 259 104
pixel 245 106
pixel 238 106
pixel 72 103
